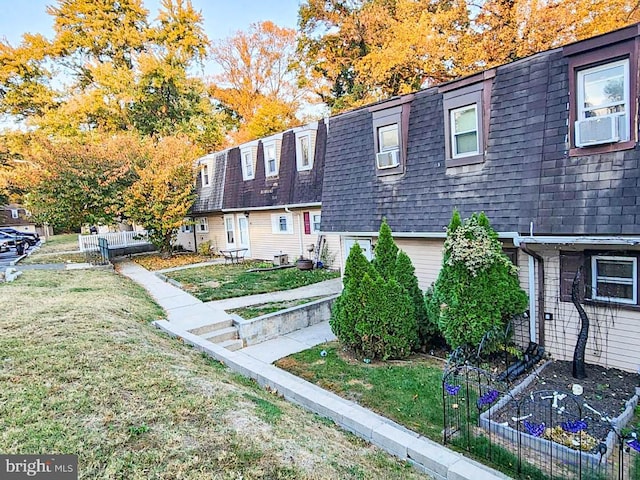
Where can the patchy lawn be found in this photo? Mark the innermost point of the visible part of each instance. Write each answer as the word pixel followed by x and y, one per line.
pixel 216 282
pixel 84 373
pixel 60 243
pixel 55 257
pixel 416 384
pixel 265 308
pixel 57 249
pixel 154 261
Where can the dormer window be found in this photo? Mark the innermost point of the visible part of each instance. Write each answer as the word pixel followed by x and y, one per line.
pixel 248 170
pixel 204 173
pixel 390 135
pixel 388 147
pixel 464 131
pixel 270 159
pixel 305 148
pixel 603 104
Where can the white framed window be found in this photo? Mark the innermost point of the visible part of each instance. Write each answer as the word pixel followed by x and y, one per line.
pixel 204 173
pixel 603 90
pixel 315 223
pixel 464 131
pixel 304 151
pixel 614 279
pixel 186 228
pixel 248 170
pixel 282 223
pixel 388 155
pixel 230 230
pixel 14 213
pixel 270 159
pixel 202 224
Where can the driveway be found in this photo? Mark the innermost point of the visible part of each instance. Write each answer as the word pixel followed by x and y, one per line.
pixel 6 258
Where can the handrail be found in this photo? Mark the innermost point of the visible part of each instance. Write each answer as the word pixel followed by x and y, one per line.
pixel 89 243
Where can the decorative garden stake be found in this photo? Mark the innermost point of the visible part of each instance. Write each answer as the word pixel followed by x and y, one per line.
pixel 578 370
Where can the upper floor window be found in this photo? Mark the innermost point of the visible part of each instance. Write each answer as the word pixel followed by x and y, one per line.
pixel 388 146
pixel 14 213
pixel 186 228
pixel 270 159
pixel 464 131
pixel 391 134
pixel 247 164
pixel 304 151
pixel 205 175
pixel 602 104
pixel 603 92
pixel 466 119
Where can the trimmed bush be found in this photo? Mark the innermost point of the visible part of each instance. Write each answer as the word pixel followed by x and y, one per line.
pixel 405 275
pixel 386 252
pixel 477 290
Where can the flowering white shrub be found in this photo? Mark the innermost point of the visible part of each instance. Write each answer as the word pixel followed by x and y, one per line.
pixel 472 245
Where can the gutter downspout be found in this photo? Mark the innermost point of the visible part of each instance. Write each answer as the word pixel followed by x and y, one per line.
pixel 195 236
pixel 536 311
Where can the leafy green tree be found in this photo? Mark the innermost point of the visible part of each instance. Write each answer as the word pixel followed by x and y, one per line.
pixel 386 252
pixel 477 290
pixel 161 197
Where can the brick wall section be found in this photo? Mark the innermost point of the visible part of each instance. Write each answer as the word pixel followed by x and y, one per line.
pixel 527 175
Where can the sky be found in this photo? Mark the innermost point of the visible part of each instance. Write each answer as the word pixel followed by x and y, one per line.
pixel 222 18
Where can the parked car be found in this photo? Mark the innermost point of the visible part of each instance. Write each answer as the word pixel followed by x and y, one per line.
pixel 4 246
pixel 29 237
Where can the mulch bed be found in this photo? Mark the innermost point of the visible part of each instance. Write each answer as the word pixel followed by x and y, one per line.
pixel 605 390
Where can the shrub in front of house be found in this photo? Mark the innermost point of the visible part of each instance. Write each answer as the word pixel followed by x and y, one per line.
pixel 375 314
pixel 477 290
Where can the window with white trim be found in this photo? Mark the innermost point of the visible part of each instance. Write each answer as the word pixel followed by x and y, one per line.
pixel 602 104
pixel 315 223
pixel 304 151
pixel 14 213
pixel 270 159
pixel 614 279
pixel 229 229
pixel 282 223
pixel 464 131
pixel 204 173
pixel 388 146
pixel 247 164
pixel 202 225
pixel 186 228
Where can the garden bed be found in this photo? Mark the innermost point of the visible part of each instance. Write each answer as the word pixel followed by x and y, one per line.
pixel 554 421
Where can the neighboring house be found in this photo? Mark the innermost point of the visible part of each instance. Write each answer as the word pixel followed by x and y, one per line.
pixel 18 217
pixel 263 196
pixel 547 147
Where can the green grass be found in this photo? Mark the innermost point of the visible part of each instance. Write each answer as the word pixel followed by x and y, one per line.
pixel 254 311
pixel 416 401
pixel 59 243
pixel 84 373
pixel 39 258
pixel 217 282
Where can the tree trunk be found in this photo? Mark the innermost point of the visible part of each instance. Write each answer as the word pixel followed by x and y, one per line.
pixel 581 345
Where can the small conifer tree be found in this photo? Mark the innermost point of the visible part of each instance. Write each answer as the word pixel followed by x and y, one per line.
pixel 386 252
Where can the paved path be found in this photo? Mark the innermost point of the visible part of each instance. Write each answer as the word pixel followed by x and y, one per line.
pixel 185 311
pixel 321 289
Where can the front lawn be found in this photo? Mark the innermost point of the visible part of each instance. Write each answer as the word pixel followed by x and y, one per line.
pixel 217 282
pixel 408 391
pixel 84 373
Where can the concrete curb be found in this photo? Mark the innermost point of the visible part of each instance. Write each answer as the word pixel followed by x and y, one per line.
pixel 425 455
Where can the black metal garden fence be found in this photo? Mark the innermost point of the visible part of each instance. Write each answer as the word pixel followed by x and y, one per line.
pixel 539 434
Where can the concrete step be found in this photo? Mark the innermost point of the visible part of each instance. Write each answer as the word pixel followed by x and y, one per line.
pixel 212 327
pixel 219 336
pixel 232 345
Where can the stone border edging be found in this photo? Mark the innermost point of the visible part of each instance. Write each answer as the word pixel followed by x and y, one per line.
pixel 425 455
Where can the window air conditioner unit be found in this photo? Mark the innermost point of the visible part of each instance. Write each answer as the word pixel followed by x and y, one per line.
pixel 601 129
pixel 387 159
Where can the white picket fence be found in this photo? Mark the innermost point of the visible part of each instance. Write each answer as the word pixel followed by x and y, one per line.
pixel 89 243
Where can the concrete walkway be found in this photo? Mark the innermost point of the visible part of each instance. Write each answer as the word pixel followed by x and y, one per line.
pixel 185 311
pixel 321 289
